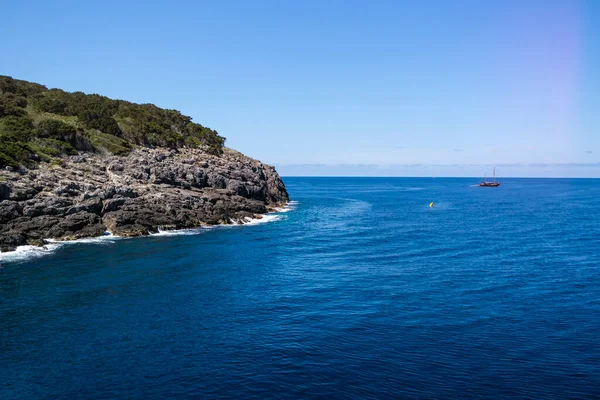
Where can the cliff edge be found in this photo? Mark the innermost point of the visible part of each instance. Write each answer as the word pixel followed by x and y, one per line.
pixel 137 194
pixel 75 165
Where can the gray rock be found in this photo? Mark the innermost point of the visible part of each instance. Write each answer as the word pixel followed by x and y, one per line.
pixel 79 225
pixel 4 191
pixel 10 241
pixel 93 206
pixel 137 194
pixel 9 210
pixel 112 205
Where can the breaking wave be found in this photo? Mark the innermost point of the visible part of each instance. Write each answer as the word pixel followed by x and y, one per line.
pixel 24 253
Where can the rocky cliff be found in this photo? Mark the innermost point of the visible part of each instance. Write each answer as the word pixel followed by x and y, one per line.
pixel 88 194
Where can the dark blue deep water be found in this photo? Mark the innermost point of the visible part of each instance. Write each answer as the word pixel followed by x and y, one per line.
pixel 362 291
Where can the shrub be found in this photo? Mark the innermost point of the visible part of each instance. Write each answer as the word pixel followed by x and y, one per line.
pixel 21 88
pixel 51 147
pixel 11 104
pixel 193 142
pixel 92 121
pixel 98 119
pixel 13 153
pixel 108 143
pixel 18 128
pixel 54 128
pixel 50 102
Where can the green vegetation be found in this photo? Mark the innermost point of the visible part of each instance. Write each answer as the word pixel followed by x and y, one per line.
pixel 41 124
pixel 109 143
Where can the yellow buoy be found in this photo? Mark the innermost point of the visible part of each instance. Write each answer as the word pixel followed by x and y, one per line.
pixel 431 204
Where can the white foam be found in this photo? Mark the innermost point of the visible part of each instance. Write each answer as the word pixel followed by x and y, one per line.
pixel 23 253
pixel 271 217
pixel 291 206
pixel 104 239
pixel 181 232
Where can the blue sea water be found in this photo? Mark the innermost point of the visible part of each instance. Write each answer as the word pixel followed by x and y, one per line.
pixel 361 291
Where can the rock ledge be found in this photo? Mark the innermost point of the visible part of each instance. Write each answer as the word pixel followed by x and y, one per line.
pixel 147 190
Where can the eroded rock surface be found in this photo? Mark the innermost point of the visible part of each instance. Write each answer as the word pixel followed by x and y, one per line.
pixel 138 194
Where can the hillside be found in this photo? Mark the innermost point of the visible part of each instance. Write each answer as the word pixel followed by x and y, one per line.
pixel 41 124
pixel 74 166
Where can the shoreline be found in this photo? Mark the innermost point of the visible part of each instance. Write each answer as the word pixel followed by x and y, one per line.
pixel 26 252
pixel 133 195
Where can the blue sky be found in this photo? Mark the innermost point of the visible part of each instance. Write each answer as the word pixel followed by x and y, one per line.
pixel 341 87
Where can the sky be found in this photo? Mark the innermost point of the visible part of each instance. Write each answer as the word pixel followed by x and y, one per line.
pixel 327 87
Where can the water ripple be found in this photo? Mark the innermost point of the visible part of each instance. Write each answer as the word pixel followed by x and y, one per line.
pixel 359 290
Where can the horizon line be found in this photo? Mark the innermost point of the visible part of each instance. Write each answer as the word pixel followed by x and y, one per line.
pixel 434 177
pixel 416 165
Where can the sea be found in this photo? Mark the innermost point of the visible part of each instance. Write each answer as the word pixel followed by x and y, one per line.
pixel 359 289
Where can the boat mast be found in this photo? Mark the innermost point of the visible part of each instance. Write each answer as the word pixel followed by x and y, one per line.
pixel 494 174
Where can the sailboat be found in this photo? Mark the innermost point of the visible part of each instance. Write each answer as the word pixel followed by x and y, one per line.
pixel 493 183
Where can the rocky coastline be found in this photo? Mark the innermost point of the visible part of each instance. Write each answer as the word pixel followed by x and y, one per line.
pixel 145 191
